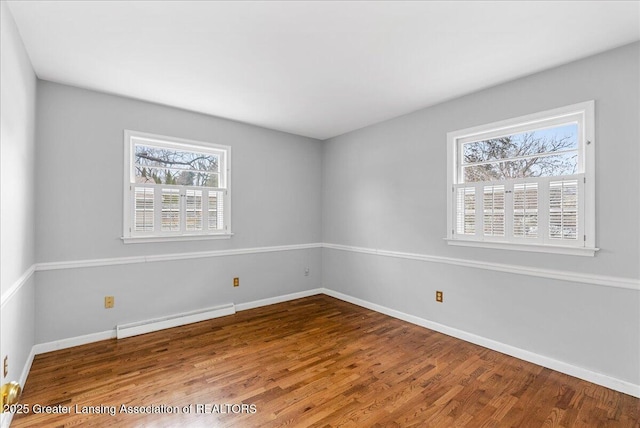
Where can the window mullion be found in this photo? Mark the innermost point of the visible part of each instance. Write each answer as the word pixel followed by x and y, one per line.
pixel 508 210
pixel 157 210
pixel 454 211
pixel 226 210
pixel 205 210
pixel 132 209
pixel 543 210
pixel 183 210
pixel 581 204
pixel 479 205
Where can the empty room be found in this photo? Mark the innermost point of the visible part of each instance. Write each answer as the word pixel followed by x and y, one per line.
pixel 320 213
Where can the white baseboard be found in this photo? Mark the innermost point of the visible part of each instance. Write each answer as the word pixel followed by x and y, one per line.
pixel 278 299
pixel 541 360
pixel 156 324
pixel 27 367
pixel 70 342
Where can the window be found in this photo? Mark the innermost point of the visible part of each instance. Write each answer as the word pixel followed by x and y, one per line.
pixel 175 189
pixel 525 183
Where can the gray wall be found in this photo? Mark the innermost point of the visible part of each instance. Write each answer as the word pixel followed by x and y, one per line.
pixel 384 188
pixel 17 154
pixel 17 254
pixel 275 180
pixel 275 176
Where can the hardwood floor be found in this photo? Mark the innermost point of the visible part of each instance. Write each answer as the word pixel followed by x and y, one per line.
pixel 315 362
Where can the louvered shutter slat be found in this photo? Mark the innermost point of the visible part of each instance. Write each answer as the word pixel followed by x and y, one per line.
pixel 193 210
pixel 493 208
pixel 170 210
pixel 525 210
pixel 143 207
pixel 466 213
pixel 563 209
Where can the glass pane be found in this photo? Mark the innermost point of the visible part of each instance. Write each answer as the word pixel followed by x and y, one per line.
pixel 563 209
pixel 176 177
pixel 493 210
pixel 177 159
pixel 194 210
pixel 542 166
pixel 170 210
pixel 541 141
pixel 171 166
pixel 525 210
pixel 143 206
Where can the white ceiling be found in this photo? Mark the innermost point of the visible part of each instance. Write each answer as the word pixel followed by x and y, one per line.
pixel 317 69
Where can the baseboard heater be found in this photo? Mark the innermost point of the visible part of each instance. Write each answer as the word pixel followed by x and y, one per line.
pixel 147 326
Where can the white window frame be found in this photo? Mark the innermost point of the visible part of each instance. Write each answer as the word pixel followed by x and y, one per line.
pixel 581 113
pixel 130 236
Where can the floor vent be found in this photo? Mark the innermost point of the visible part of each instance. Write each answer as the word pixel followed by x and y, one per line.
pixel 147 326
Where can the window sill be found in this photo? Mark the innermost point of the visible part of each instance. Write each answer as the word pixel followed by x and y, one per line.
pixel 149 239
pixel 536 248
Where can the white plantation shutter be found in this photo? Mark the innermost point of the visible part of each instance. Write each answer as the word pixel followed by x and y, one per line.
pixel 143 207
pixel 466 211
pixel 221 211
pixel 494 211
pixel 191 209
pixel 563 210
pixel 170 217
pixel 213 210
pixel 525 210
pixel 216 210
pixel 194 209
pixel 537 211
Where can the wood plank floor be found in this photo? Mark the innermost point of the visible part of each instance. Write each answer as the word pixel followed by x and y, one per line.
pixel 315 362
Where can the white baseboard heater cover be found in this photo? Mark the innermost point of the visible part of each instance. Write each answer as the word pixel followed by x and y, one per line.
pixel 147 326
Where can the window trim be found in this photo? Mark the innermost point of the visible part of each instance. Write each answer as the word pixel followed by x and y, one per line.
pixel 585 111
pixel 171 142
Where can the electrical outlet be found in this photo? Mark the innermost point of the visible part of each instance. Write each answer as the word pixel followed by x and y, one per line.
pixel 306 271
pixel 236 282
pixel 5 366
pixel 439 297
pixel 109 301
